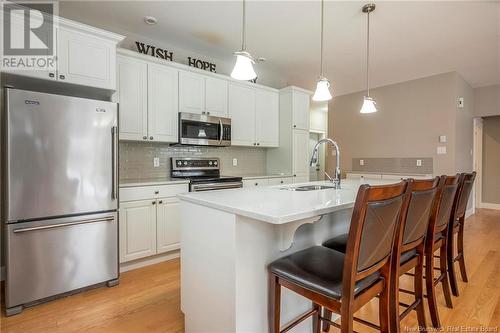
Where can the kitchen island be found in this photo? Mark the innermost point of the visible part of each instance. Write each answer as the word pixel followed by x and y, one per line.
pixel 229 237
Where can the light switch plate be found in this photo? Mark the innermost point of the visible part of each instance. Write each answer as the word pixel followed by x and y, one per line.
pixel 441 150
pixel 443 139
pixel 419 162
pixel 361 162
pixel 235 162
pixel 460 102
pixel 156 162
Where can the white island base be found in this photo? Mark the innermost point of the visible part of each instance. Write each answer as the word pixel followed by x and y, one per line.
pixel 224 258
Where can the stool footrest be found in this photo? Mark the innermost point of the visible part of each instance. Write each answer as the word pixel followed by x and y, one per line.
pixel 409 308
pixel 299 320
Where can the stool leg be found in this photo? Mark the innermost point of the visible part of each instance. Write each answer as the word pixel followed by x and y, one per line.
pixel 451 267
pixel 419 290
pixel 460 245
pixel 328 315
pixel 384 313
pixel 431 291
pixel 274 304
pixel 315 319
pixel 443 270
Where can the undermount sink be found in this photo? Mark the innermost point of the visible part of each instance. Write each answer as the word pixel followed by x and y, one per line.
pixel 308 188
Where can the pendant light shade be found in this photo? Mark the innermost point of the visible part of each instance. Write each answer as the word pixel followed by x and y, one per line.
pixel 369 105
pixel 243 68
pixel 322 92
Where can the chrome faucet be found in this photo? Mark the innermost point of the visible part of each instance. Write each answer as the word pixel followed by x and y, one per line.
pixel 314 160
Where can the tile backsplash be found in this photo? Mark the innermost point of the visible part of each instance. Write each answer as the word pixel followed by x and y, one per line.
pixel 394 165
pixel 136 159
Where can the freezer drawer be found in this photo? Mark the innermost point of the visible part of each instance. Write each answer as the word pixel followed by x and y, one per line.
pixel 50 257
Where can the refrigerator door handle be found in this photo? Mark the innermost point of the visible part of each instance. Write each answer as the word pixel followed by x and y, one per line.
pixel 51 226
pixel 114 164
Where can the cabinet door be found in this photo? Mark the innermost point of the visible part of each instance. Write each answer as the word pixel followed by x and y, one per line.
pixel 216 97
pixel 191 92
pixel 242 113
pixel 86 60
pixel 300 153
pixel 168 225
pixel 162 103
pixel 300 107
pixel 132 96
pixel 137 229
pixel 267 118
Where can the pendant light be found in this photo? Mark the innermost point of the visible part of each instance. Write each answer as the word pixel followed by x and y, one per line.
pixel 243 69
pixel 322 92
pixel 369 104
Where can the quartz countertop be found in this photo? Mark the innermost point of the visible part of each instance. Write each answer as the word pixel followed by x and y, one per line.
pixel 152 181
pixel 277 205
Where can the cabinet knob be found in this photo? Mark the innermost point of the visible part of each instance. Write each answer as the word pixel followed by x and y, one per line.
pixel 254 144
pixel 203 112
pixel 51 75
pixel 256 184
pixel 208 113
pixel 156 192
pixel 153 202
pixel 144 137
pixel 281 182
pixel 150 138
pixel 160 202
pixel 62 77
pixel 258 144
pixel 294 126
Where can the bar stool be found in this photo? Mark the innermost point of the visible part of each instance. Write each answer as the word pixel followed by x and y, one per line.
pixel 457 227
pixel 410 256
pixel 340 282
pixel 436 240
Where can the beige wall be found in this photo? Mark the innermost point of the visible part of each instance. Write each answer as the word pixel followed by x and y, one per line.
pixel 487 101
pixel 411 116
pixel 491 160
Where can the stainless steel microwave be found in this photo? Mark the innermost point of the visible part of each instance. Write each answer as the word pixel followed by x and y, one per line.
pixel 204 130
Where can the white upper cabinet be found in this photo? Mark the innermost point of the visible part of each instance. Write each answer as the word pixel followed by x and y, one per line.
pixel 300 110
pixel 300 153
pixel 162 103
pixel 216 97
pixel 132 94
pixel 85 59
pixel 242 113
pixel 267 118
pixel 191 92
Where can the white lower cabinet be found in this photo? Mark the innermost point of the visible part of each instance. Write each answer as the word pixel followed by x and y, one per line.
pixel 137 229
pixel 149 223
pixel 300 153
pixel 280 181
pixel 274 181
pixel 255 182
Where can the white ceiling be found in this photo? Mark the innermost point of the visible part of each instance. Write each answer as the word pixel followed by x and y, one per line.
pixel 410 39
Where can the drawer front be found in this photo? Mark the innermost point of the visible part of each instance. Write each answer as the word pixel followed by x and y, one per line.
pixel 363 175
pixel 280 181
pixel 152 192
pixel 255 182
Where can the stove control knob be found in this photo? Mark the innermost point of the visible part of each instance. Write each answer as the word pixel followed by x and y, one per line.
pixel 209 162
pixel 179 163
pixel 215 163
pixel 185 163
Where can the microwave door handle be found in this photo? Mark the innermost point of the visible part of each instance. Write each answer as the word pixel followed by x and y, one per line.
pixel 221 131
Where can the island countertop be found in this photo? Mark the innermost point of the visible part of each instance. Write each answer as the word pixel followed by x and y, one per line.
pixel 278 204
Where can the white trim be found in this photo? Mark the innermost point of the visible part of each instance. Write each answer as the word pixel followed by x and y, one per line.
pixel 127 266
pixel 81 27
pixel 489 205
pixel 469 212
pixel 477 162
pixel 178 65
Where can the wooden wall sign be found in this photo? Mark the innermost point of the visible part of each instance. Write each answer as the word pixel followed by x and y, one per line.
pixel 201 64
pixel 154 51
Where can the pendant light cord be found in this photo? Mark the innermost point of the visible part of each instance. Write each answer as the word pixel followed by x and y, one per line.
pixel 368 55
pixel 243 43
pixel 321 56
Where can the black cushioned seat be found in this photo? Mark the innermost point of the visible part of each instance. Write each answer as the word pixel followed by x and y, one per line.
pixel 318 269
pixel 338 243
pixel 406 256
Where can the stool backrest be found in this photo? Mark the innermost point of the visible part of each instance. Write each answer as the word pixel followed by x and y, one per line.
pixel 462 198
pixel 422 199
pixel 447 189
pixel 376 216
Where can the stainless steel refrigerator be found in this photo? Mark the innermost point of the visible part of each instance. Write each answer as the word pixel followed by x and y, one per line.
pixel 59 195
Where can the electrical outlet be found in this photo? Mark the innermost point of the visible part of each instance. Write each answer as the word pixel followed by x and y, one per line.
pixel 235 162
pixel 361 162
pixel 419 162
pixel 156 162
pixel 441 150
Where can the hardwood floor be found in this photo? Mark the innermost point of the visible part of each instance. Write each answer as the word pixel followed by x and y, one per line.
pixel 148 299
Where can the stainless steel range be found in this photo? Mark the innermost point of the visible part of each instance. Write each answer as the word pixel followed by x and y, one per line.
pixel 203 174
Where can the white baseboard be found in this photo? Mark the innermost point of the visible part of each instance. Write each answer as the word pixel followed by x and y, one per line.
pixel 127 266
pixel 469 212
pixel 489 205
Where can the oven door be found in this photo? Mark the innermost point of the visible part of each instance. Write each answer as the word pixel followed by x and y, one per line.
pixel 203 130
pixel 214 186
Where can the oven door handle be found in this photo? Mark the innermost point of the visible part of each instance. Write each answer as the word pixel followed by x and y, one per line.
pixel 215 186
pixel 221 131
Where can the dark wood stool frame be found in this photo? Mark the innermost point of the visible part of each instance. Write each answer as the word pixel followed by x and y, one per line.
pixel 349 302
pixel 457 222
